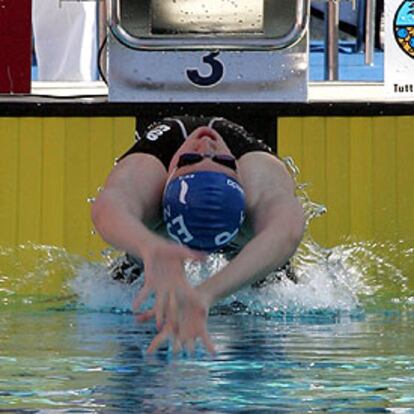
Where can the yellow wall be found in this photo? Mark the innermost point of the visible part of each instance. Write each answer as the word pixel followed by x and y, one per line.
pixel 362 169
pixel 49 168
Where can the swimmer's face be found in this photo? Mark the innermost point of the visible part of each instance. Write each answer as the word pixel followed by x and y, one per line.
pixel 203 140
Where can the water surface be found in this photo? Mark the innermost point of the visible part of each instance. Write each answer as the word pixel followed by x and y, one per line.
pixel 340 341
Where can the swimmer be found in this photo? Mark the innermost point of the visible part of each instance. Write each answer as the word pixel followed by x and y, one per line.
pixel 190 187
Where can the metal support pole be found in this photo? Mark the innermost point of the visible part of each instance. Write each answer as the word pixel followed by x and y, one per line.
pixel 360 27
pixel 331 39
pixel 370 9
pixel 102 32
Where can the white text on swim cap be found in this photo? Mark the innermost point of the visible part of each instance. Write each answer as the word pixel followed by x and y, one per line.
pixel 180 230
pixel 225 237
pixel 183 192
pixel 235 185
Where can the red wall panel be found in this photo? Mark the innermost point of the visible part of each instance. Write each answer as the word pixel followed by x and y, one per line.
pixel 15 46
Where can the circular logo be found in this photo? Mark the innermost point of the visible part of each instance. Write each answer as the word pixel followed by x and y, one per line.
pixel 404 27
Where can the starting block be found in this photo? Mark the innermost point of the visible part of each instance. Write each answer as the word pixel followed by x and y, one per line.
pixel 208 50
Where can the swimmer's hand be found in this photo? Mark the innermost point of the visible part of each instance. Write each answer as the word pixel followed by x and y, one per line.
pixel 164 270
pixel 186 320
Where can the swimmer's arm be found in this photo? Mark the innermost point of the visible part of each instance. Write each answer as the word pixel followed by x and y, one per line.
pixel 122 213
pixel 278 221
pixel 129 200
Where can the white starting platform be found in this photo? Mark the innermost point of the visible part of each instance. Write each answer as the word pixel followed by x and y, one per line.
pixel 208 51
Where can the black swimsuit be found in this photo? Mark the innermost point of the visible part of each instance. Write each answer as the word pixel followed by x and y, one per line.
pixel 163 138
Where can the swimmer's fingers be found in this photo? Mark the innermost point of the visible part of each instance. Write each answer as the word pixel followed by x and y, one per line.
pixel 205 337
pixel 159 340
pixel 173 314
pixel 146 316
pixel 177 345
pixel 188 338
pixel 141 297
pixel 190 346
pixel 161 306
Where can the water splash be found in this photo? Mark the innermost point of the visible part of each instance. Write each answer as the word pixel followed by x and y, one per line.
pixel 312 210
pixel 35 274
pixel 336 281
pixel 97 291
pixel 340 279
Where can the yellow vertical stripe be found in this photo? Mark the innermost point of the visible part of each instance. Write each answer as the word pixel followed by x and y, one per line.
pixel 337 179
pixel 289 134
pixel 101 162
pixel 53 200
pixel 77 221
pixel 101 152
pixel 53 177
pixel 384 178
pixel 30 181
pixel 314 168
pixel 124 133
pixel 9 174
pixel 361 173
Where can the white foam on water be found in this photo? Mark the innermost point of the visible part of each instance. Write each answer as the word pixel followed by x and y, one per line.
pixel 96 290
pixel 330 283
pixel 321 285
pixel 341 279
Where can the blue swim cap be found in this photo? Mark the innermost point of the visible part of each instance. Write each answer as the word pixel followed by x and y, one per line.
pixel 204 210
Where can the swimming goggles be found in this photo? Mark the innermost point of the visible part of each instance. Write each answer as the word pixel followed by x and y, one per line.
pixel 190 158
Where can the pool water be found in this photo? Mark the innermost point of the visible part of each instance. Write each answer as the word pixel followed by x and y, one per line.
pixel 95 363
pixel 340 341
